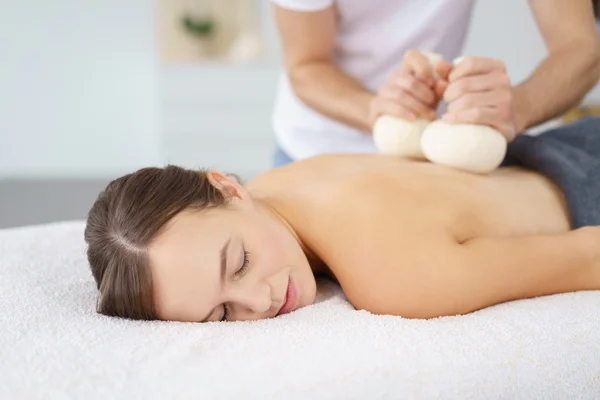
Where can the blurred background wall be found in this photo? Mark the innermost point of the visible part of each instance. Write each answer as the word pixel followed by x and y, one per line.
pixel 92 90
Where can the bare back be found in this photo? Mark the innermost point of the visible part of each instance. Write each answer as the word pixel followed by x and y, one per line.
pixel 360 212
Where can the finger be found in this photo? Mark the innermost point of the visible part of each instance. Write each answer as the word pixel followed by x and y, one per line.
pixel 476 66
pixel 390 92
pixel 480 116
pixel 440 88
pixel 478 83
pixel 476 115
pixel 443 69
pixel 416 88
pixel 406 70
pixel 411 103
pixel 384 106
pixel 419 66
pixel 491 99
pixel 407 100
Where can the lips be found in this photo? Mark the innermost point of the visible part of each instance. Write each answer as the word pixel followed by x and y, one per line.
pixel 290 298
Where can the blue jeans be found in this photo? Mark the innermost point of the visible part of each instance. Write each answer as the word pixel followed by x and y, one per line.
pixel 280 158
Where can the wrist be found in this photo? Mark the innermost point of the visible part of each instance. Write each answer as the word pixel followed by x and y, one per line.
pixel 521 109
pixel 589 239
pixel 365 116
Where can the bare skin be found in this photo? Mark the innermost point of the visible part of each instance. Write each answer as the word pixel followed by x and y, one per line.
pixel 479 90
pixel 403 238
pixel 421 240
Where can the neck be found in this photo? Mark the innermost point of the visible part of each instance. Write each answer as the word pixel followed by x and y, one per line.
pixel 276 209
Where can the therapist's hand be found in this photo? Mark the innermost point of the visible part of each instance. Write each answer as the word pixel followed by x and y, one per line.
pixel 410 91
pixel 479 91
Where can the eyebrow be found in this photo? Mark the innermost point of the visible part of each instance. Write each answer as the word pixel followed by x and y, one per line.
pixel 223 257
pixel 224 260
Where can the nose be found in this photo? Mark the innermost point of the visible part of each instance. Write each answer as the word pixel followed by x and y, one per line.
pixel 255 297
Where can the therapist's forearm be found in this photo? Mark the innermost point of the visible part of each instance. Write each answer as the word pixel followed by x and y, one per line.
pixel 327 89
pixel 559 83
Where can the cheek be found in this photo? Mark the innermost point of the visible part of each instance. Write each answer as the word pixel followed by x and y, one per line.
pixel 280 251
pixel 274 246
pixel 275 249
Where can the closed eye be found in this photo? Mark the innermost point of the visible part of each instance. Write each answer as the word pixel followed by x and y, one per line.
pixel 225 314
pixel 238 274
pixel 244 267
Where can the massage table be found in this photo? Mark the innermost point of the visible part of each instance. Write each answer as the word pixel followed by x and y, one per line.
pixel 53 345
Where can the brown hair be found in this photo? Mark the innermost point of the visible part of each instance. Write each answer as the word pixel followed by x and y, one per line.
pixel 122 222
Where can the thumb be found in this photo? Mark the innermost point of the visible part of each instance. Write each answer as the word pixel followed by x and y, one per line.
pixel 440 88
pixel 443 69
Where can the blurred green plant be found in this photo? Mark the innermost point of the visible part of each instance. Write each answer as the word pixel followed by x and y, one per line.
pixel 198 26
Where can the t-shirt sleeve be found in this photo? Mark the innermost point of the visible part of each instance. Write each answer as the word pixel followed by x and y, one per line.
pixel 304 5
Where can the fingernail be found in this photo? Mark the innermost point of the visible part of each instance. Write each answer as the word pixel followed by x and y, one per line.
pixel 447 117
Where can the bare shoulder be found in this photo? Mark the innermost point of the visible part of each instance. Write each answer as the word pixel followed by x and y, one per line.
pixel 310 170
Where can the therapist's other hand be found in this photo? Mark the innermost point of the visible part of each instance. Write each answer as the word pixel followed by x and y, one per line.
pixel 479 91
pixel 410 91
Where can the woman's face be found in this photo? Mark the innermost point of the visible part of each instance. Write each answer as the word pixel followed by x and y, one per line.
pixel 230 263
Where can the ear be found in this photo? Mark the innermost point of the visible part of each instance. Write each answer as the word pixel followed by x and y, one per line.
pixel 227 186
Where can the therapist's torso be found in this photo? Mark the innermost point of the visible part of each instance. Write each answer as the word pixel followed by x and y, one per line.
pixel 372 37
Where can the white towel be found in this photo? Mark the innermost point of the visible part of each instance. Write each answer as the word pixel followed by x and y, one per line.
pixel 54 345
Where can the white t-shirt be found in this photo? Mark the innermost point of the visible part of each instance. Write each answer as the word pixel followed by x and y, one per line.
pixel 372 37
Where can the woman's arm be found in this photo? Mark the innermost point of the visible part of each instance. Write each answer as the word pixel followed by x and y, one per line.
pixel 487 271
pixel 307 39
pixel 482 272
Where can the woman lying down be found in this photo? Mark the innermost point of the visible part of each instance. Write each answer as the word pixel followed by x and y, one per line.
pixel 405 238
